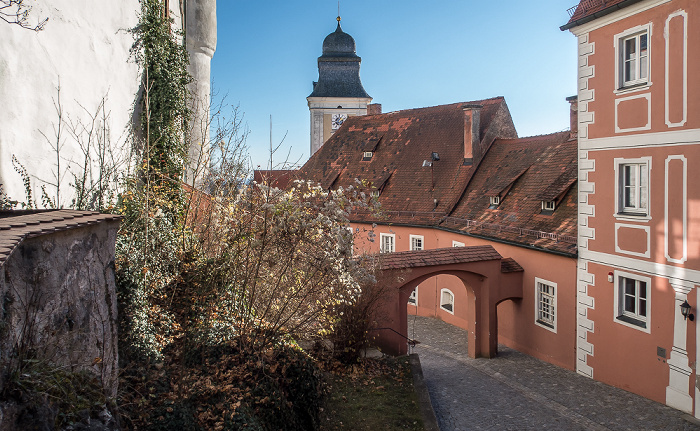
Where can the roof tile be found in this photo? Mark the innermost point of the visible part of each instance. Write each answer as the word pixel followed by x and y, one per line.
pixel 19 225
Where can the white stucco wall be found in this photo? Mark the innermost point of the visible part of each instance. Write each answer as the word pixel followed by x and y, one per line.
pixel 84 47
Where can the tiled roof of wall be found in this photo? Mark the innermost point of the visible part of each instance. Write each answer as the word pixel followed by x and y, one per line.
pixel 524 171
pixel 439 256
pixel 16 226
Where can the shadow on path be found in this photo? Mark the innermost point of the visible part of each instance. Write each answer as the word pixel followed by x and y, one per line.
pixel 517 392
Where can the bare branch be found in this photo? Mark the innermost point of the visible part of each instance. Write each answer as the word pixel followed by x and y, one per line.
pixel 16 12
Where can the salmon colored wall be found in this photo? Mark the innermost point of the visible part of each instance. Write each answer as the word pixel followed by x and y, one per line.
pixel 516 327
pixel 604 200
pixel 429 301
pixel 604 81
pixel 627 357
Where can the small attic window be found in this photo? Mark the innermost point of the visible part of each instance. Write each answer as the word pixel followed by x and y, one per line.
pixel 494 202
pixel 367 155
pixel 548 207
pixel 374 193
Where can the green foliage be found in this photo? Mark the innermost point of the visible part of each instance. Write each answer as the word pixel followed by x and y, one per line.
pixel 6 203
pixel 22 171
pixel 165 114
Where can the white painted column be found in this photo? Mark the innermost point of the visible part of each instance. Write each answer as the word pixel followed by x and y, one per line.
pixel 677 395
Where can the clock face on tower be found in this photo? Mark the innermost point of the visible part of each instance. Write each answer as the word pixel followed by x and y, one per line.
pixel 337 120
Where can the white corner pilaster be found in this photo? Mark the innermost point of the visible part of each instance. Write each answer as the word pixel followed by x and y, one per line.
pixel 677 395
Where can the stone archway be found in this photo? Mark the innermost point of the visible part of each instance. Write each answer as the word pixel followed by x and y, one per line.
pixel 483 271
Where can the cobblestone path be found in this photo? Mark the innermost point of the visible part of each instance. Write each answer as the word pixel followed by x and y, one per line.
pixel 517 392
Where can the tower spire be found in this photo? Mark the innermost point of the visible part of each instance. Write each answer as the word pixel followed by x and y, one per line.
pixel 338 12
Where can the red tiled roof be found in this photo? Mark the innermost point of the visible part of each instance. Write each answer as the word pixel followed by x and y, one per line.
pixel 587 10
pixel 544 168
pixel 279 178
pixel 16 226
pixel 510 265
pixel 401 141
pixel 523 171
pixel 439 256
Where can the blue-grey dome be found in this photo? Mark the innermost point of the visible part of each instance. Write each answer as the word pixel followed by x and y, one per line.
pixel 339 44
pixel 339 68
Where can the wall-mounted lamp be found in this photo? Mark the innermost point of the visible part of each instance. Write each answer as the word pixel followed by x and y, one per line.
pixel 685 311
pixel 610 277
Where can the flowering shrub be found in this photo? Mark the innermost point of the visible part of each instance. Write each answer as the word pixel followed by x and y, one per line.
pixel 282 260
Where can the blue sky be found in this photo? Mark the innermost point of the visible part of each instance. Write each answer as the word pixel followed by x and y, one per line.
pixel 414 54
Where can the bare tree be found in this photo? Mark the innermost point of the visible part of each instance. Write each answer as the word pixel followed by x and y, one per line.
pixel 17 12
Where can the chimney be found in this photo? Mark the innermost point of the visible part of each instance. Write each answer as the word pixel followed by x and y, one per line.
pixel 472 150
pixel 374 108
pixel 573 116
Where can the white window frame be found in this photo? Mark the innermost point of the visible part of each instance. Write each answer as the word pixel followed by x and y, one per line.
pixel 632 212
pixel 387 240
pixel 549 205
pixel 374 193
pixel 413 297
pixel 494 201
pixel 632 319
pixel 457 244
pixel 546 304
pixel 452 296
pixel 621 84
pixel 413 239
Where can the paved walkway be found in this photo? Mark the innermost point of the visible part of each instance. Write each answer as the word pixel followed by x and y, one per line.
pixel 517 392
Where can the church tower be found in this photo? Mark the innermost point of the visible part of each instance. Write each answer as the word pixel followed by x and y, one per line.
pixel 338 92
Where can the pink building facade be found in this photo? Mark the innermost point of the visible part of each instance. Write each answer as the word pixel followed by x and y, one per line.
pixel 638 212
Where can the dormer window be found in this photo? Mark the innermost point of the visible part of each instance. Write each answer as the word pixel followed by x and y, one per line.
pixel 367 155
pixel 548 206
pixel 494 202
pixel 374 193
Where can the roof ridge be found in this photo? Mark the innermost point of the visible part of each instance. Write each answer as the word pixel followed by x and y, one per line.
pixel 446 105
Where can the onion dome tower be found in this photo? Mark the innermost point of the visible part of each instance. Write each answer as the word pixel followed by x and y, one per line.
pixel 339 92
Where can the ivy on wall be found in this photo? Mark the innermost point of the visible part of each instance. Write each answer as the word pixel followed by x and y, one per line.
pixel 163 99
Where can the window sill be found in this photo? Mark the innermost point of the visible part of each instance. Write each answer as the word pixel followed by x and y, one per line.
pixel 632 88
pixel 632 217
pixel 633 323
pixel 545 325
pixel 446 309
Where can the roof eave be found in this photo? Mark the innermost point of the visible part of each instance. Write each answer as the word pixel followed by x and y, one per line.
pixel 597 15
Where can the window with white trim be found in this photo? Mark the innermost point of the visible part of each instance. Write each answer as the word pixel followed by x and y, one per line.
pixel 633 186
pixel 447 301
pixel 548 205
pixel 546 304
pixel 632 300
pixel 374 193
pixel 634 59
pixel 367 155
pixel 457 244
pixel 494 202
pixel 413 299
pixel 387 241
pixel 416 242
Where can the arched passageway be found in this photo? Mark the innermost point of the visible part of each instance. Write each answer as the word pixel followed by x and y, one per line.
pixel 487 276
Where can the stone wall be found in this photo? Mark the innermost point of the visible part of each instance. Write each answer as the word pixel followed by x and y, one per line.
pixel 59 301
